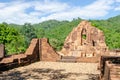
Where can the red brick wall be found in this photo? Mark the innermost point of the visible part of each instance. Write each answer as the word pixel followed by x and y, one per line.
pixel 110 67
pixel 31 55
pixel 88 59
pixel 33 50
pixel 111 71
pixel 39 49
pixel 47 52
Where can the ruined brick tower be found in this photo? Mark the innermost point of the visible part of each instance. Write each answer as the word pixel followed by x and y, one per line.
pixel 85 41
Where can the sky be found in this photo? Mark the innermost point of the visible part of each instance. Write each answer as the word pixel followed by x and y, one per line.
pixel 36 11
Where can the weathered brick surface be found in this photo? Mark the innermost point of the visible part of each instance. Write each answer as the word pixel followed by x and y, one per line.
pixel 31 55
pixel 115 72
pixel 107 71
pixel 110 67
pixel 47 52
pixel 33 50
pixel 2 50
pixel 89 59
pixel 85 41
pixel 39 49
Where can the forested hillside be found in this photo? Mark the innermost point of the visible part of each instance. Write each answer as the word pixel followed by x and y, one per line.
pixel 17 37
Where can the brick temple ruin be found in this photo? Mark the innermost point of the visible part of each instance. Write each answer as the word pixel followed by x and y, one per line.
pixel 85 43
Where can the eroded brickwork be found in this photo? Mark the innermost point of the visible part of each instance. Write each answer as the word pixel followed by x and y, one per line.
pixel 39 49
pixel 47 52
pixel 112 71
pixel 110 67
pixel 84 44
pixel 31 55
pixel 85 41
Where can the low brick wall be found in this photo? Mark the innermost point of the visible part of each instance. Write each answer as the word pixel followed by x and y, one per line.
pixel 110 67
pixel 38 50
pixel 88 59
pixel 31 55
pixel 107 71
pixel 115 72
pixel 112 71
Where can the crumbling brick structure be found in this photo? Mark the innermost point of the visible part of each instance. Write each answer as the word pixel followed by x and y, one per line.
pixel 31 55
pixel 84 44
pixel 85 41
pixel 38 50
pixel 47 53
pixel 110 67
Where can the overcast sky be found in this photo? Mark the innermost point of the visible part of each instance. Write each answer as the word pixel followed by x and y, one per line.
pixel 35 11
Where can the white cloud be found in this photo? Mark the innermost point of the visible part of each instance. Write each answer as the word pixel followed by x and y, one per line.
pixel 36 11
pixel 13 12
pixel 97 9
pixel 49 6
pixel 2 5
pixel 117 7
pixel 117 0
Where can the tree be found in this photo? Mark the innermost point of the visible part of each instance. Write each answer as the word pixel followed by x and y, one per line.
pixel 7 34
pixel 11 38
pixel 29 33
pixel 40 32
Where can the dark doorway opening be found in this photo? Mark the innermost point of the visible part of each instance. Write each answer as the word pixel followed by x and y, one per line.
pixel 93 43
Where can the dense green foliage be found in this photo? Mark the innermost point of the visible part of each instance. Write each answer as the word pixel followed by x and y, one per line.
pixel 111 29
pixel 17 37
pixel 11 38
pixel 56 31
pixel 28 32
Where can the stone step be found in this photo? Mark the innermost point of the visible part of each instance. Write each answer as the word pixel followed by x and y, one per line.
pixel 67 60
pixel 68 57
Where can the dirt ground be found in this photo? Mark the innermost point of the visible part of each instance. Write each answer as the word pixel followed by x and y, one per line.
pixel 53 71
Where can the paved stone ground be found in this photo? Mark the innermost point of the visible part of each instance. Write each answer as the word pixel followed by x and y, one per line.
pixel 53 71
